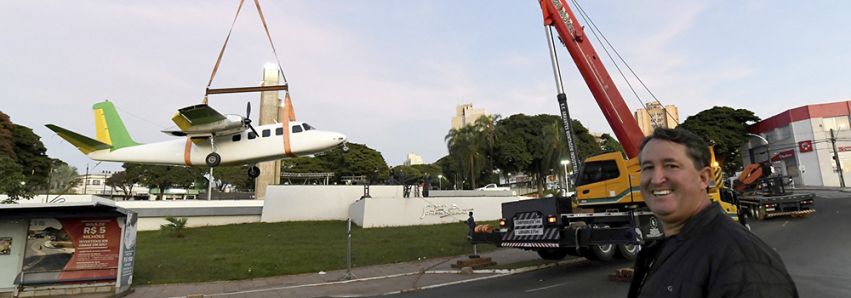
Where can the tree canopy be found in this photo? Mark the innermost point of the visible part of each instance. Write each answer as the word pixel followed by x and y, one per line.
pixel 163 177
pixel 25 164
pixel 520 143
pixel 360 160
pixel 726 128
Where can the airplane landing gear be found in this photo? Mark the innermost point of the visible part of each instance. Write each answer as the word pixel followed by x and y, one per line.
pixel 253 172
pixel 213 159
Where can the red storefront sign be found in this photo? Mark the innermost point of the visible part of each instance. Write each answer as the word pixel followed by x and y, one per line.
pixel 783 155
pixel 805 146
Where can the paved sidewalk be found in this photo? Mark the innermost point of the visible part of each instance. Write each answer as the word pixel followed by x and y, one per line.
pixel 368 281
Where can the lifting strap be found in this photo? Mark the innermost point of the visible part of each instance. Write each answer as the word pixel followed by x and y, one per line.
pixel 222 52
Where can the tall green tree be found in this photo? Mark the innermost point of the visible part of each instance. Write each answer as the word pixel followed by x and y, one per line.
pixel 235 176
pixel 62 177
pixel 360 160
pixel 6 137
pixel 726 128
pixel 465 147
pixel 124 181
pixel 31 156
pixel 611 144
pixel 450 170
pixel 536 145
pixel 12 181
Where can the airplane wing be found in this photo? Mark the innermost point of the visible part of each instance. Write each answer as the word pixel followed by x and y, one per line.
pixel 195 116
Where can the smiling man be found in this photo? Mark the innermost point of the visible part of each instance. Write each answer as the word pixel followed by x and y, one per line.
pixel 704 252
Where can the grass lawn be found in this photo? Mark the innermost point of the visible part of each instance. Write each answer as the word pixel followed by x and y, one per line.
pixel 267 249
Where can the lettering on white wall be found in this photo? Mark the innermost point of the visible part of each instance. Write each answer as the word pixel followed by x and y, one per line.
pixel 444 210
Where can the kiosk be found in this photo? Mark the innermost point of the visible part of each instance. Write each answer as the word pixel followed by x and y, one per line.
pixel 66 249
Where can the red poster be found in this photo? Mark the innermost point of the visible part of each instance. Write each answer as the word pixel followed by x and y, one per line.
pixel 71 250
pixel 96 245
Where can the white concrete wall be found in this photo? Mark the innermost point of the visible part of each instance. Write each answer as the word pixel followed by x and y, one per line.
pixel 317 202
pixel 386 207
pixel 154 223
pixel 391 212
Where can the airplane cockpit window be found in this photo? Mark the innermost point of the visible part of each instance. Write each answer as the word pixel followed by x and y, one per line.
pixel 297 128
pixel 308 127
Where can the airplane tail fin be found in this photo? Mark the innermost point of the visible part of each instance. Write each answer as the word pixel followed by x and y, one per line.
pixel 83 143
pixel 110 128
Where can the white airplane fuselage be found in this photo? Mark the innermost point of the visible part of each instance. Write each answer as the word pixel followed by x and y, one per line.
pixel 234 149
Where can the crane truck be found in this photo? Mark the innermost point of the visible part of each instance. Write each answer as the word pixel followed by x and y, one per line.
pixel 607 217
pixel 763 194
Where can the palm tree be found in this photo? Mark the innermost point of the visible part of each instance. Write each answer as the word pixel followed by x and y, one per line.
pixel 464 148
pixel 175 225
pixel 487 137
pixel 553 150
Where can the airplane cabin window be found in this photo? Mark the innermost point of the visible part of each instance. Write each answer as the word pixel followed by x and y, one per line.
pixel 308 127
pixel 266 133
pixel 251 135
pixel 279 131
pixel 236 138
pixel 297 129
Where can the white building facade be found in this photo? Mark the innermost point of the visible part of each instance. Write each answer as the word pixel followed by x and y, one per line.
pixel 801 144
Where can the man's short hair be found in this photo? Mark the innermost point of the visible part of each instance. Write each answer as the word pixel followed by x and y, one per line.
pixel 696 149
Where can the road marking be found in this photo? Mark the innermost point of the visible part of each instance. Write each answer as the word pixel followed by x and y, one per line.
pixel 547 287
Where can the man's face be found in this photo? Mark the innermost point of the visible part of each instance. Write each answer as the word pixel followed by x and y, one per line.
pixel 672 187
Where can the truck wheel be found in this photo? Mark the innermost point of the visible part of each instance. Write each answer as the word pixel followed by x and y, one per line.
pixel 552 253
pixel 628 251
pixel 760 213
pixel 602 252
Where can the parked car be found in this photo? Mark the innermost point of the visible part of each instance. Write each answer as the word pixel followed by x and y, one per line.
pixel 492 187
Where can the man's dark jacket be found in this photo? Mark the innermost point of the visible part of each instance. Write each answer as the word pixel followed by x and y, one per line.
pixel 712 256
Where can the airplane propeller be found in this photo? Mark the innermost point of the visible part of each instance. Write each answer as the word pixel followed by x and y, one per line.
pixel 247 120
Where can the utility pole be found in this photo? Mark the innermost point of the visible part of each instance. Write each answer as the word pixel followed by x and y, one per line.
pixel 86 180
pixel 836 158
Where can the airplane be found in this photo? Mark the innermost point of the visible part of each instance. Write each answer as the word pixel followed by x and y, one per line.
pixel 208 139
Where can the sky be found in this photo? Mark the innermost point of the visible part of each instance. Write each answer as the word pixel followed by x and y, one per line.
pixel 389 74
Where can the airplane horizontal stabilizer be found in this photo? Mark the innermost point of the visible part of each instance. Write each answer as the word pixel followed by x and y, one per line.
pixel 83 143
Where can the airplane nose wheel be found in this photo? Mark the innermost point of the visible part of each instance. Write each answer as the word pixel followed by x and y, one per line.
pixel 213 159
pixel 253 172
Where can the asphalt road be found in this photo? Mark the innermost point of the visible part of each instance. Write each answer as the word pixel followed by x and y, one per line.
pixel 815 249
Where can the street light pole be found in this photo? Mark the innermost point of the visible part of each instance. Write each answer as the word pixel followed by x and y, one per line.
pixel 440 182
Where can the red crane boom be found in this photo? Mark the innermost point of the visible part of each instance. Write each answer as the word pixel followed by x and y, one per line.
pixel 559 15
